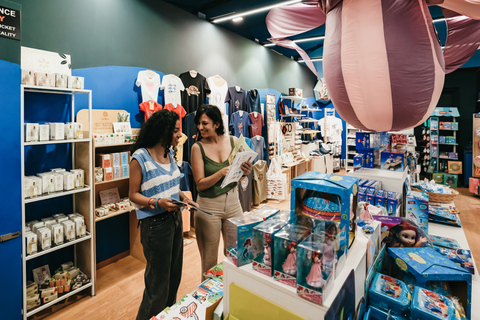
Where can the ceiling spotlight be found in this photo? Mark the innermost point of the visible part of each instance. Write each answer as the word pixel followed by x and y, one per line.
pixel 237 19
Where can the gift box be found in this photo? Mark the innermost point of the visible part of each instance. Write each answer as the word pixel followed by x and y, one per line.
pixel 438 177
pixel 389 294
pixel 285 252
pixel 441 140
pixel 455 167
pixel 393 202
pixel 263 244
pixel 239 238
pixel 425 267
pixel 393 160
pixel 416 208
pixel 450 180
pixel 367 140
pixel 334 203
pixel 434 123
pixel 315 265
pixel 358 161
pixel 453 155
pixel 441 125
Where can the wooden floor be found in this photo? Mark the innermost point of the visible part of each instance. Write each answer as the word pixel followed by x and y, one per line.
pixel 120 285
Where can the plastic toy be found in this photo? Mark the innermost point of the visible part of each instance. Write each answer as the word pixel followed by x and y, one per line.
pixel 406 234
pixel 428 305
pixel 388 293
pixel 290 264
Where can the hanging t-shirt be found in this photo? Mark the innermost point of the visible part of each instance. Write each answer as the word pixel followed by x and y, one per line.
pixel 257 124
pixel 259 182
pixel 236 100
pixel 185 173
pixel 240 121
pixel 172 86
pixel 331 128
pixel 178 110
pixel 149 108
pixel 218 92
pixel 149 82
pixel 253 101
pixel 196 90
pixel 225 124
pixel 179 154
pixel 258 143
pixel 190 130
pixel 245 190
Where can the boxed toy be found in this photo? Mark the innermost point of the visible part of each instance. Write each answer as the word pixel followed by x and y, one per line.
pixel 362 194
pixel 337 201
pixel 367 140
pixel 427 268
pixel 441 125
pixel 434 123
pixel 393 160
pixel 389 294
pixel 263 244
pixel 441 139
pixel 450 180
pixel 428 305
pixel 315 264
pixel 398 141
pixel 358 161
pixel 239 238
pixel 455 167
pixel 393 202
pixel 327 232
pixel 380 198
pixel 373 185
pixel 285 253
pixel 454 125
pixel 371 196
pixel 438 177
pixel 368 159
pixel 377 314
pixel 416 208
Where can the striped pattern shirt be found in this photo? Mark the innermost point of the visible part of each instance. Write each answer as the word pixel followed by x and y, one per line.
pixel 156 181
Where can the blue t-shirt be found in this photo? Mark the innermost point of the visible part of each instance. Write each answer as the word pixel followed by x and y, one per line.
pixel 258 143
pixel 240 121
pixel 253 101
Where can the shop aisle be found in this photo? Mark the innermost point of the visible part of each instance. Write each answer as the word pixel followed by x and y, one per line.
pixel 120 288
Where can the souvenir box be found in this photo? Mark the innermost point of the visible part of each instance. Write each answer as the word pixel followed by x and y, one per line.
pixel 371 196
pixel 450 179
pixel 239 238
pixel 387 293
pixel 367 140
pixel 441 139
pixel 263 244
pixel 368 159
pixel 393 203
pixel 315 265
pixel 454 125
pixel 358 161
pixel 328 234
pixel 362 194
pixel 380 198
pixel 428 305
pixel 285 253
pixel 426 267
pixel 393 160
pixel 327 197
pixel 416 208
pixel 434 123
pixel 455 167
pixel 438 177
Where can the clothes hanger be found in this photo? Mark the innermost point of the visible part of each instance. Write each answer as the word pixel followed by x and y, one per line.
pixel 238 88
pixel 151 74
pixel 193 73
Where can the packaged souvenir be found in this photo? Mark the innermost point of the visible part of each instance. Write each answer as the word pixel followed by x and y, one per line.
pixel 389 294
pixel 428 305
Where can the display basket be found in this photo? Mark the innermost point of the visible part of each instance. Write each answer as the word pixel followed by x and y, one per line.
pixel 439 197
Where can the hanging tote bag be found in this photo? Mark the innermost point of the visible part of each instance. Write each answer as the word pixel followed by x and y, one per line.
pixel 276 182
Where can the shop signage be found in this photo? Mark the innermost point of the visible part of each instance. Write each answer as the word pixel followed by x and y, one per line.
pixel 9 23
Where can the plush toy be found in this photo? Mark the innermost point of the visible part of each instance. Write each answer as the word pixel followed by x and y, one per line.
pixel 405 234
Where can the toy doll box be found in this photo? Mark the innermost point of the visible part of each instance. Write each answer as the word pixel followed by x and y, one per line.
pixel 285 253
pixel 315 265
pixel 239 238
pixel 388 293
pixel 428 266
pixel 263 244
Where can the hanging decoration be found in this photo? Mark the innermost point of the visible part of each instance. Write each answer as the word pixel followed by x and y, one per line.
pixel 382 59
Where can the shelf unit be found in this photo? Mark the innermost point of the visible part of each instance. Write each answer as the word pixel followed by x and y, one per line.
pixel 351 146
pixel 82 199
pixel 438 116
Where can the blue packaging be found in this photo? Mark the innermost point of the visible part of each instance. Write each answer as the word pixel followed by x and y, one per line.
pixel 371 196
pixel 441 139
pixel 393 160
pixel 384 140
pixel 388 293
pixel 285 253
pixel 393 202
pixel 362 194
pixel 368 159
pixel 358 161
pixel 380 198
pixel 428 305
pixel 124 158
pixel 367 140
pixel 125 171
pixel 416 208
pixel 239 238
pixel 361 182
pixel 263 244
pixel 377 314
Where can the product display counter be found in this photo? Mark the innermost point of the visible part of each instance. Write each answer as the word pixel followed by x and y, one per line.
pixel 391 180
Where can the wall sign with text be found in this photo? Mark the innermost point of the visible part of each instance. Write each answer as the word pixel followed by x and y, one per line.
pixel 10 23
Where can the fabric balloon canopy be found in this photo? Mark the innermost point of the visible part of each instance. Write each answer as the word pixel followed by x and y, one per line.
pixel 382 62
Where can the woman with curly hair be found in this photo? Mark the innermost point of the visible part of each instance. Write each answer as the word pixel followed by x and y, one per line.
pixel 154 185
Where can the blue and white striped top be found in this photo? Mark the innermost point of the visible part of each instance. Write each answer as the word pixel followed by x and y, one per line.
pixel 156 181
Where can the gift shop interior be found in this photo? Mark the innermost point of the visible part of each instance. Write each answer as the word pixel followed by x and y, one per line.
pixel 210 160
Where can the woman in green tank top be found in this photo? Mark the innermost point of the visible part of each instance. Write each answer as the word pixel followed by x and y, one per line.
pixel 210 165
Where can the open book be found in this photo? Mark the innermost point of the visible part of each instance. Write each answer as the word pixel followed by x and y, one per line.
pixel 181 203
pixel 240 154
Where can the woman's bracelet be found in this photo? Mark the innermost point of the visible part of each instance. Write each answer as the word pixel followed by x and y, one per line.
pixel 156 204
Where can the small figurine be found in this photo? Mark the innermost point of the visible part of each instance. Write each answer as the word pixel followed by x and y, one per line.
pixel 405 234
pixel 365 214
pixel 267 260
pixel 315 276
pixel 247 244
pixel 290 264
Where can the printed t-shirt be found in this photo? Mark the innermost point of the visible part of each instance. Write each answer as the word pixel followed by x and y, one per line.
pixel 245 190
pixel 149 108
pixel 172 86
pixel 195 93
pixel 258 143
pixel 253 101
pixel 181 141
pixel 178 110
pixel 149 82
pixel 257 124
pixel 217 93
pixel 240 121
pixel 259 182
pixel 236 100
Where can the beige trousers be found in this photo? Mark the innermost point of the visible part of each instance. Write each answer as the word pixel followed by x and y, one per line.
pixel 208 228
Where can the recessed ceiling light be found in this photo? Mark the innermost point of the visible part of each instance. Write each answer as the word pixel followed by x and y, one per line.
pixel 237 19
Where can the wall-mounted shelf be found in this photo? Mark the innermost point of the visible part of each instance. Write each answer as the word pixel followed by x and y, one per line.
pixel 111 181
pixel 57 194
pixel 39 143
pixel 55 248
pixel 113 214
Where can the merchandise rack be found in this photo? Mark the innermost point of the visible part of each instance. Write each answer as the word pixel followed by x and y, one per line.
pixel 82 199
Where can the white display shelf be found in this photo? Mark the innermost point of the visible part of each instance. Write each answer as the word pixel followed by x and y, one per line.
pixel 66 244
pixel 28 88
pixel 449 129
pixel 302 109
pixel 113 214
pixel 292 115
pixel 37 143
pixel 391 180
pixel 110 181
pixel 57 194
pixel 286 296
pixel 63 297
pixel 307 120
pixel 294 99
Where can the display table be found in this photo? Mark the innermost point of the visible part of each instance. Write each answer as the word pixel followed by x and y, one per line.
pixel 391 180
pixel 286 296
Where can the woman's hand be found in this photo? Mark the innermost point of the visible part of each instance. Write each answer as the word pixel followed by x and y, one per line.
pixel 191 202
pixel 167 204
pixel 246 167
pixel 224 171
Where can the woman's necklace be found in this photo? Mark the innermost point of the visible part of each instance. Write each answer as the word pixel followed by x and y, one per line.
pixel 158 159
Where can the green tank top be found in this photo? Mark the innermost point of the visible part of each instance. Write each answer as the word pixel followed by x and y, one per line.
pixel 210 167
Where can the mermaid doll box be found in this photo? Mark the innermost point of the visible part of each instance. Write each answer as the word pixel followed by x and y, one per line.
pixel 329 197
pixel 239 238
